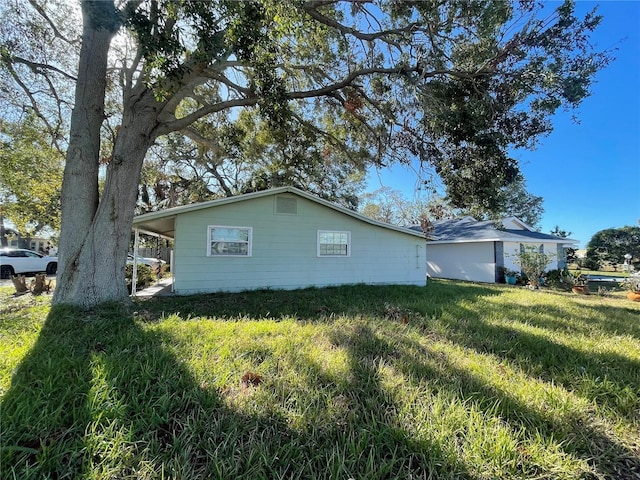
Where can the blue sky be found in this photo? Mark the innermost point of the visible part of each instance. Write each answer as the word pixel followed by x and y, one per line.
pixel 589 172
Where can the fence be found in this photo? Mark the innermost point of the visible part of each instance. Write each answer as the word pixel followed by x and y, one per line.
pixel 165 253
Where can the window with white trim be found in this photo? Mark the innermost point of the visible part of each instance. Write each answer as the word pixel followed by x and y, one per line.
pixel 334 244
pixel 226 241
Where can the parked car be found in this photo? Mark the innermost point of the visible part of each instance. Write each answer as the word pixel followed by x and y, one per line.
pixel 18 260
pixel 152 262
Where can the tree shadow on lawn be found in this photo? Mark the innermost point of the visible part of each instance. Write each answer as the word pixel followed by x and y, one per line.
pixel 578 435
pixel 613 317
pixel 102 395
pixel 311 304
pixel 607 378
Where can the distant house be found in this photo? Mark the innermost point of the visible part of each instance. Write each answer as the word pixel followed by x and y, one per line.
pixel 467 249
pixel 283 238
pixel 37 244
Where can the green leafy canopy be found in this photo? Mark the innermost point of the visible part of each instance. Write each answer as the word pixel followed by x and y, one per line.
pixel 30 177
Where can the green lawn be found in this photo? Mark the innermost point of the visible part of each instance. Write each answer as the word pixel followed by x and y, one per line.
pixel 452 380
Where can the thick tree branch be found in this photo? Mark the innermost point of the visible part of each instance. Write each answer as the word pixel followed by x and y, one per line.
pixel 36 67
pixel 194 135
pixel 363 72
pixel 169 123
pixel 214 74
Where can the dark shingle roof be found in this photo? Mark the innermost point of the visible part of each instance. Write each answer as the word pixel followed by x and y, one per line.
pixel 469 230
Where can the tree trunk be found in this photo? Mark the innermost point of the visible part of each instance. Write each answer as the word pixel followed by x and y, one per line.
pixel 95 229
pixel 3 233
pixel 79 235
pixel 97 274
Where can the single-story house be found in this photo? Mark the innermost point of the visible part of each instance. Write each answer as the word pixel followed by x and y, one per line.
pixel 283 238
pixel 468 249
pixel 37 244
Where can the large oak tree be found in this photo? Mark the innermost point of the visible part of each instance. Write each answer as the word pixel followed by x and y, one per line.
pixel 455 83
pixel 611 245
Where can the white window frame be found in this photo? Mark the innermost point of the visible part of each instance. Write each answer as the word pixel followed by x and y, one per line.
pixel 320 232
pixel 210 230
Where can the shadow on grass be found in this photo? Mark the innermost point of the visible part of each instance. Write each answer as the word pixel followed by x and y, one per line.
pixel 101 395
pixel 613 315
pixel 610 379
pixel 607 378
pixel 310 304
pixel 104 395
pixel 580 434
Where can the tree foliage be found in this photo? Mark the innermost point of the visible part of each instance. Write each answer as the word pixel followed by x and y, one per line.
pixel 226 158
pixel 512 200
pixel 390 206
pixel 570 253
pixel 510 86
pixel 611 245
pixel 30 177
pixel 456 83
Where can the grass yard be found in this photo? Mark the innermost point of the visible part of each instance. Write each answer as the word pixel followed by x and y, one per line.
pixel 448 381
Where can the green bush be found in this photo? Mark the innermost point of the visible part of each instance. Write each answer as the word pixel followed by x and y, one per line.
pixel 523 279
pixel 146 276
pixel 559 279
pixel 533 264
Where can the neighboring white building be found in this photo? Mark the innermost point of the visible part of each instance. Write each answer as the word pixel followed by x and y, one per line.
pixel 467 249
pixel 37 244
pixel 283 238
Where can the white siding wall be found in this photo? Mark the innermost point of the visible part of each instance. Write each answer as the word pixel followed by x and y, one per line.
pixel 462 261
pixel 512 225
pixel 284 250
pixel 511 249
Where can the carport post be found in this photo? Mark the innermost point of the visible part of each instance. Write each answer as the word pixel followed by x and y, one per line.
pixel 134 275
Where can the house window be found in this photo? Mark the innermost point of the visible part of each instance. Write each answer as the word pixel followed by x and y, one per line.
pixel 334 244
pixel 229 241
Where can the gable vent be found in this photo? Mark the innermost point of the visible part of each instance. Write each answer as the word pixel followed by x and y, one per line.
pixel 287 205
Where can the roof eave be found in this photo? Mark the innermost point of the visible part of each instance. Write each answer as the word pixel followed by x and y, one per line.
pixel 141 219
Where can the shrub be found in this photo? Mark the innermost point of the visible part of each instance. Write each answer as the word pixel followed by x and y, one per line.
pixel 533 263
pixel 146 276
pixel 631 283
pixel 560 279
pixel 522 279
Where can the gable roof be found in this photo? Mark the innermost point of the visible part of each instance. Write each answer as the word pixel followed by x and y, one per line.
pixel 162 223
pixel 470 230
